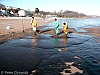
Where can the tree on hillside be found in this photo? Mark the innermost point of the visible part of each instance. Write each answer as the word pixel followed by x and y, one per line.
pixel 2 6
pixel 37 10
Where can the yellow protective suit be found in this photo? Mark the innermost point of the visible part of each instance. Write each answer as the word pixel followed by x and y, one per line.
pixel 34 22
pixel 65 26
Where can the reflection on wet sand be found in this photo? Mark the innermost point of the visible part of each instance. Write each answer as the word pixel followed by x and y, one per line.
pixel 64 40
pixel 63 43
pixel 34 42
pixel 56 41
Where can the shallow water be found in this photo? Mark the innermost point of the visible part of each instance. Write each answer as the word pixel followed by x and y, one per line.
pixel 77 24
pixel 26 53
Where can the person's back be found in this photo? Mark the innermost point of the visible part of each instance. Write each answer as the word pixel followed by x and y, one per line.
pixel 33 22
pixel 56 23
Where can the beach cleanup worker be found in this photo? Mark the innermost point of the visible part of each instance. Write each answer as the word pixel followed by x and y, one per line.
pixel 65 26
pixel 56 23
pixel 34 24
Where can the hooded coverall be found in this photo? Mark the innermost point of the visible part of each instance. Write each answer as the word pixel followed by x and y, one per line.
pixel 65 28
pixel 34 24
pixel 56 23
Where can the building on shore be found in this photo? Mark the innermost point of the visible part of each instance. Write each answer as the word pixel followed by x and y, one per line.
pixel 14 11
pixel 22 13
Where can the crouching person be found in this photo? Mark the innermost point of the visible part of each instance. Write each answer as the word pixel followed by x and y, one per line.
pixel 65 26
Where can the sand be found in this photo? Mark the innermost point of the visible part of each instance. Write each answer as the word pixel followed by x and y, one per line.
pixel 17 25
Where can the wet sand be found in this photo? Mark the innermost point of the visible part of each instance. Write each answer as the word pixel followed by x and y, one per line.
pixel 75 57
pixel 95 31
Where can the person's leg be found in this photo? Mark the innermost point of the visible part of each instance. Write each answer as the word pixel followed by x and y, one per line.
pixel 57 31
pixel 34 29
pixel 34 33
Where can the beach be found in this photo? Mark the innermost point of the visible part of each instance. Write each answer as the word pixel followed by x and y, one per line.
pixel 46 54
pixel 17 25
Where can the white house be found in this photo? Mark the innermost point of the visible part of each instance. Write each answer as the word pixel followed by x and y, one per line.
pixel 22 13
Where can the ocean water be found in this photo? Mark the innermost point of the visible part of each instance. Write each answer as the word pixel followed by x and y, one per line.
pixel 78 23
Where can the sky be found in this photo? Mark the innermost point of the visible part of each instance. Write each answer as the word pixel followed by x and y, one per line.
pixel 88 7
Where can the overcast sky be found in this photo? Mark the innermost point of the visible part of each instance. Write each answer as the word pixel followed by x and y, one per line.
pixel 88 7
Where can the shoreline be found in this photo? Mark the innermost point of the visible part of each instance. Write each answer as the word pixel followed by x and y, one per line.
pixel 39 18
